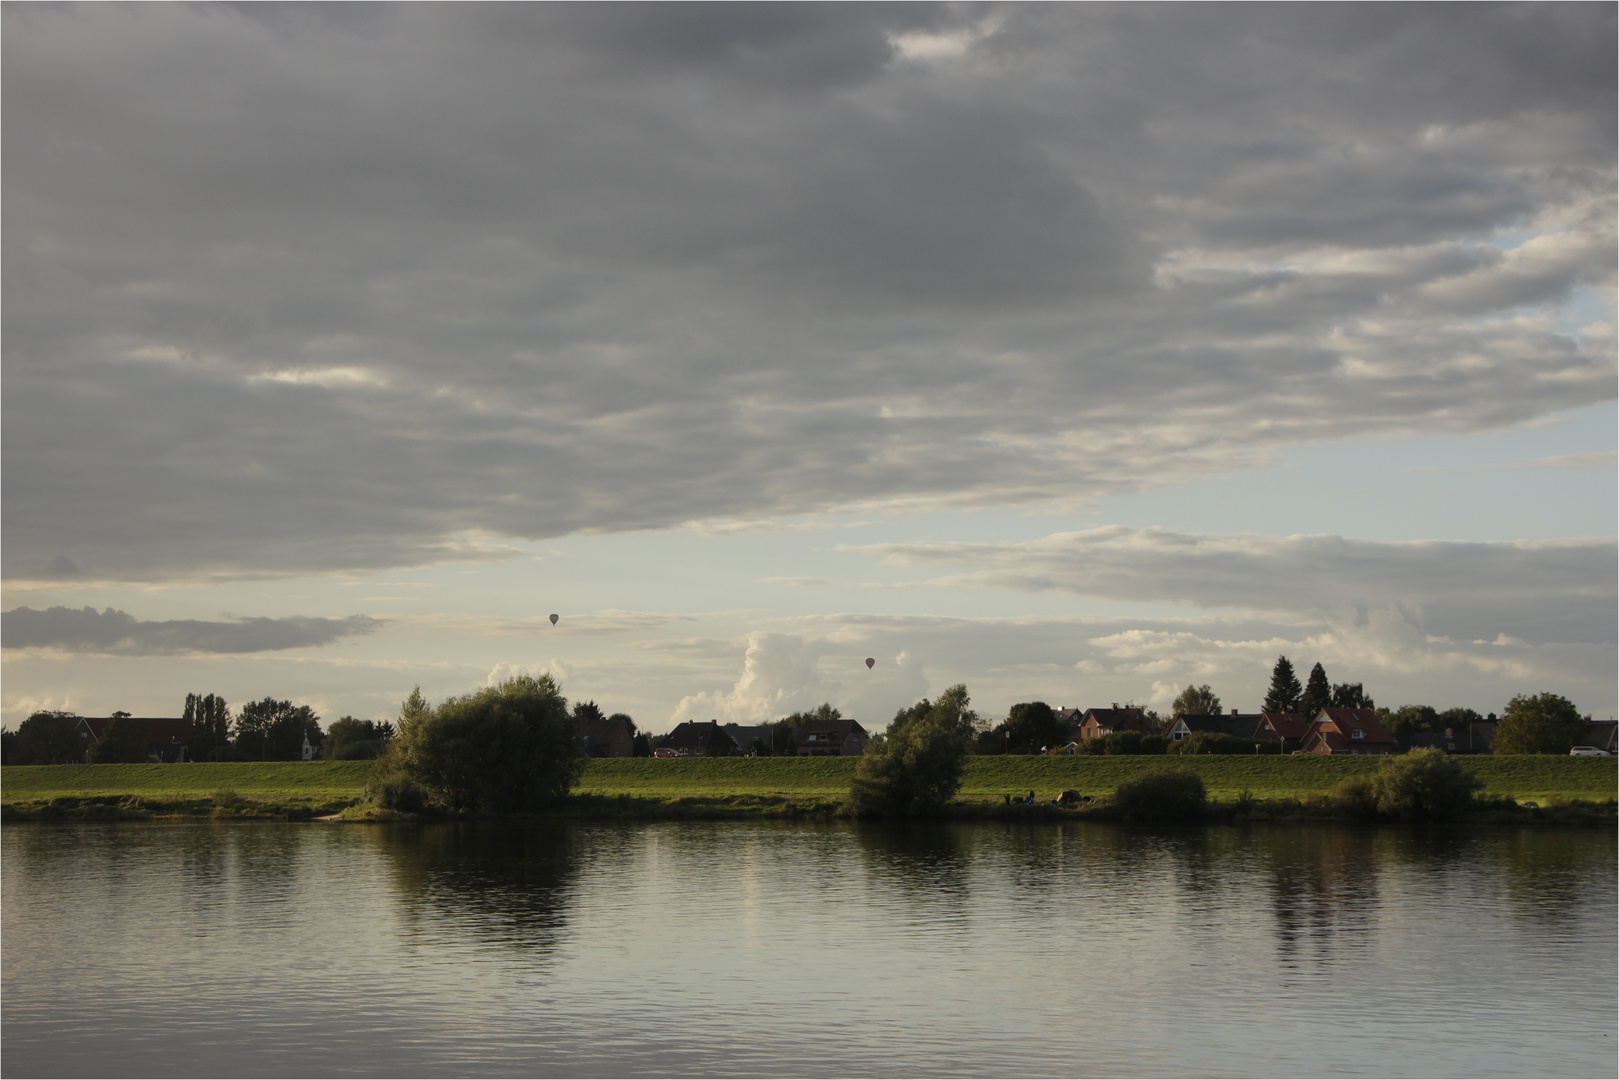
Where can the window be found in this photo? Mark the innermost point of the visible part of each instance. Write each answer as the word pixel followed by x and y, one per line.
pixel 1357 734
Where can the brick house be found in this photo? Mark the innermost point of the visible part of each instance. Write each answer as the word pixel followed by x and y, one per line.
pixel 1347 731
pixel 1099 722
pixel 1288 727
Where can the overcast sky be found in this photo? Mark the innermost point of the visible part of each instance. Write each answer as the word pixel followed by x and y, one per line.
pixel 1073 352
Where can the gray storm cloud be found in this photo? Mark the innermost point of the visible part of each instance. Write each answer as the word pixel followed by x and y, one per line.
pixel 1537 591
pixel 110 631
pixel 294 289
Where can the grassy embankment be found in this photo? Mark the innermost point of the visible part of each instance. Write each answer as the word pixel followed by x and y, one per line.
pixel 745 785
pixel 221 790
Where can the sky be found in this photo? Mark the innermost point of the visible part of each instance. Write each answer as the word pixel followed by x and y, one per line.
pixel 1076 353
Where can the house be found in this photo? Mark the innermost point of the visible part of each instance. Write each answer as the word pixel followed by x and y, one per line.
pixel 750 739
pixel 697 738
pixel 1602 735
pixel 830 738
pixel 1347 731
pixel 311 750
pixel 1099 722
pixel 1239 725
pixel 165 738
pixel 1475 738
pixel 604 737
pixel 1288 727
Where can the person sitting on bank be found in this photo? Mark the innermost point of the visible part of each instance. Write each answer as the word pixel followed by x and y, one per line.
pixel 1030 800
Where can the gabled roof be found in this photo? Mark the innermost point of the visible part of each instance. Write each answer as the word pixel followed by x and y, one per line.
pixel 1114 718
pixel 1287 725
pixel 154 729
pixel 1240 725
pixel 698 735
pixel 1345 721
pixel 1601 734
pixel 842 729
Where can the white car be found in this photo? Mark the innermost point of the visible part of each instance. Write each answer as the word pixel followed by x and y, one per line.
pixel 1588 751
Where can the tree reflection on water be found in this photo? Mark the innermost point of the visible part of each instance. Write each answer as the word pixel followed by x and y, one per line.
pixel 505 883
pixel 1324 888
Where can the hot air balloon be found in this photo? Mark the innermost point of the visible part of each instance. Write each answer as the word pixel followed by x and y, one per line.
pixel 870 663
pixel 553 618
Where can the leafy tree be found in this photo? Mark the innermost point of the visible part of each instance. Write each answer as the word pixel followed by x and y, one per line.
pixel 1317 693
pixel 1409 720
pixel 123 742
pixel 49 738
pixel 587 711
pixel 1458 718
pixel 272 730
pixel 915 766
pixel 503 749
pixel 1285 691
pixel 8 748
pixel 643 744
pixel 1195 701
pixel 623 718
pixel 1347 695
pixel 1030 726
pixel 350 739
pixel 209 717
pixel 1542 724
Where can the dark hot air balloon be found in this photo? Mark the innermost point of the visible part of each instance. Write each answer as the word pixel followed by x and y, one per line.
pixel 553 619
pixel 870 663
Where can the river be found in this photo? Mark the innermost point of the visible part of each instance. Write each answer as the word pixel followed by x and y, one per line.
pixel 776 949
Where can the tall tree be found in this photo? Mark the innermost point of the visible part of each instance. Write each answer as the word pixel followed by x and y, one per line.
pixel 122 742
pixel 1195 701
pixel 1542 724
pixel 209 717
pixel 1410 720
pixel 503 749
pixel 1346 695
pixel 49 738
pixel 272 730
pixel 1030 727
pixel 915 766
pixel 1317 693
pixel 1285 691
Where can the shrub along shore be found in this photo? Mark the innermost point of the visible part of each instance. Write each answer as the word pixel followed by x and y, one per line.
pixel 1251 787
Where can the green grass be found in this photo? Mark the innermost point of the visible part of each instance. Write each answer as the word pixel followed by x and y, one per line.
pixel 288 779
pixel 1226 776
pixel 987 778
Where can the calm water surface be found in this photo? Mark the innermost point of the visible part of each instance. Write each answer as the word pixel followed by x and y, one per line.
pixel 790 950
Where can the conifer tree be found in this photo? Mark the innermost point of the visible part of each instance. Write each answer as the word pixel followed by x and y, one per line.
pixel 1317 692
pixel 1285 690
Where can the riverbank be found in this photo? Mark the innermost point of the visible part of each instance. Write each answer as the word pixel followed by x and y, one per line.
pixel 1226 776
pixel 230 807
pixel 1256 788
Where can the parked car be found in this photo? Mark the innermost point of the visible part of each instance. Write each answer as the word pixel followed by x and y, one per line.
pixel 664 751
pixel 1588 751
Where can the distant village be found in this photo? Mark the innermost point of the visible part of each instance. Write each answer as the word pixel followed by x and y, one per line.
pixel 1315 718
